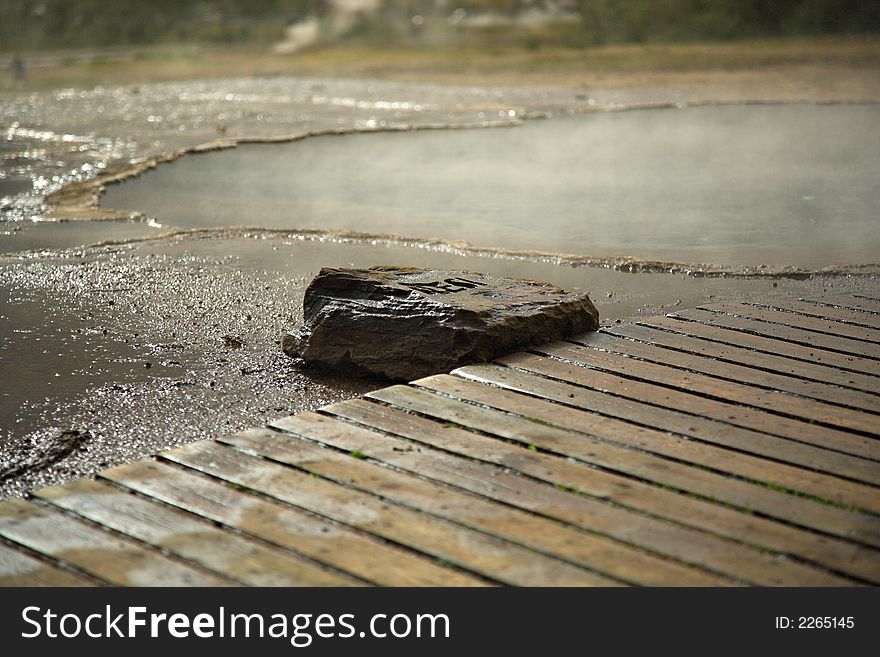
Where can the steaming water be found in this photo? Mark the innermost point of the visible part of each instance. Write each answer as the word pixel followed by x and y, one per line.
pixel 745 185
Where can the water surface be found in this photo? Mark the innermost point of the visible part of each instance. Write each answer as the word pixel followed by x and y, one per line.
pixel 737 185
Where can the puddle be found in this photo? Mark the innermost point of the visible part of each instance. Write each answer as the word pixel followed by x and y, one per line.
pixel 746 185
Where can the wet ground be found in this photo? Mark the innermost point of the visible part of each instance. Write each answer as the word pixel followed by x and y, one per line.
pixel 109 353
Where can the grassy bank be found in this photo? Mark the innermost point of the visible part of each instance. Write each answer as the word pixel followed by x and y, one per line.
pixel 849 66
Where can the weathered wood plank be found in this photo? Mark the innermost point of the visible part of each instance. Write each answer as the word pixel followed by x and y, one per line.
pixel 846 301
pixel 474 551
pixel 495 469
pixel 599 554
pixel 713 431
pixel 20 569
pixel 94 551
pixel 631 510
pixel 223 552
pixel 664 472
pixel 857 372
pixel 853 351
pixel 824 326
pixel 867 302
pixel 687 353
pixel 674 334
pixel 837 313
pixel 286 527
pixel 590 354
pixel 835 489
pixel 731 413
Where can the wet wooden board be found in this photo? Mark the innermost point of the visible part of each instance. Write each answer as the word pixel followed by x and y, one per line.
pixel 95 551
pixel 673 421
pixel 474 551
pixel 614 559
pixel 858 304
pixel 669 333
pixel 246 561
pixel 641 465
pixel 597 500
pixel 667 349
pixel 735 444
pixel 853 372
pixel 839 490
pixel 826 311
pixel 723 411
pixel 726 390
pixel 361 555
pixel 851 354
pixel 825 325
pixel 20 569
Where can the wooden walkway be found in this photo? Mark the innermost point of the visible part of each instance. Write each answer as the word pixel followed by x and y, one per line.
pixel 728 445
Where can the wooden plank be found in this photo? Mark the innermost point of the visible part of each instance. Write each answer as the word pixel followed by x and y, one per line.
pixel 669 333
pixel 694 383
pixel 813 309
pixel 672 421
pixel 862 306
pixel 867 303
pixel 852 351
pixel 340 547
pixel 671 349
pixel 804 512
pixel 478 463
pixel 627 509
pixel 223 552
pixel 497 559
pixel 825 326
pixel 725 461
pixel 607 557
pixel 737 415
pixel 94 551
pixel 20 569
pixel 857 372
pixel 709 430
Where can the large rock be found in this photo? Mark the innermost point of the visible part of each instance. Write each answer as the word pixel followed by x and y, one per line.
pixel 405 323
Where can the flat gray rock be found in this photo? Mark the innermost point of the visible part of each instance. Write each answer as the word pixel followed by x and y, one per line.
pixel 406 323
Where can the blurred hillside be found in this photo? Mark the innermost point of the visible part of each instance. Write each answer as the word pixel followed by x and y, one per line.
pixel 28 25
